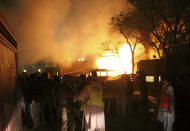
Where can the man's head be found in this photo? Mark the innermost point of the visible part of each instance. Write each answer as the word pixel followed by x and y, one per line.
pixel 164 82
pixel 94 75
pixel 33 101
pixel 24 75
pixel 48 75
pixel 141 75
pixel 164 79
pixel 125 78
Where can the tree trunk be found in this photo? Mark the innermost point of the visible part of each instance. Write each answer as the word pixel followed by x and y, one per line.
pixel 133 62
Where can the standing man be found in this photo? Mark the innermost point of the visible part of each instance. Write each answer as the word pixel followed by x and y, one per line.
pixel 166 110
pixel 143 92
pixel 35 113
pixel 123 99
pixel 94 110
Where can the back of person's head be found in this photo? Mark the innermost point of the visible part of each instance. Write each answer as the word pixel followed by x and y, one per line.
pixel 89 79
pixel 33 101
pixel 24 75
pixel 49 75
pixel 56 78
pixel 123 77
pixel 43 75
pixel 128 78
pixel 82 76
pixel 140 75
pixel 165 79
pixel 94 76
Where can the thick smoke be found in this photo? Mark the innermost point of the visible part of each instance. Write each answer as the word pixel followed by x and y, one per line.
pixel 60 29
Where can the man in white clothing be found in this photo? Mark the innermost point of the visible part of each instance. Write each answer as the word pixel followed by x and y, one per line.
pixel 166 112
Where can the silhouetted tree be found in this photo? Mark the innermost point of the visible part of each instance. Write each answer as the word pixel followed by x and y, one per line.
pixel 131 35
pixel 162 24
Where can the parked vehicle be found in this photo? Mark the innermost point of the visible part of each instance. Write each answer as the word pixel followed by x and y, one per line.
pixel 8 71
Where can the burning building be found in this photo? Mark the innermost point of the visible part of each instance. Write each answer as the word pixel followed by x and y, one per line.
pixel 9 98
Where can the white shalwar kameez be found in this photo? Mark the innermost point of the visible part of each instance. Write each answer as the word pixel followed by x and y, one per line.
pixel 166 117
pixel 93 114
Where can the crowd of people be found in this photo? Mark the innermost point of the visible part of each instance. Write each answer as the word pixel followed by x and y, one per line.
pixel 77 103
pixel 63 100
pixel 45 96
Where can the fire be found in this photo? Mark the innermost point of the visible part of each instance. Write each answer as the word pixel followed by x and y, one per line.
pixel 120 63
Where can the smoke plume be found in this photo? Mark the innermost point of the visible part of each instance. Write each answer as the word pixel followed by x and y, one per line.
pixel 60 29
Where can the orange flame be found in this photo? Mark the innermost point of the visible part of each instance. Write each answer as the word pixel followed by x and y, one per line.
pixel 120 63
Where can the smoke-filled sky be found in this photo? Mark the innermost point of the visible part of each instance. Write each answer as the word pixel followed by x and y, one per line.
pixel 59 28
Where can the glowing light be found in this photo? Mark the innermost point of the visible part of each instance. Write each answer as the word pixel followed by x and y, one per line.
pixel 126 57
pixel 108 73
pixel 149 78
pixel 39 70
pixel 69 59
pixel 24 70
pixel 121 62
pixel 82 59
